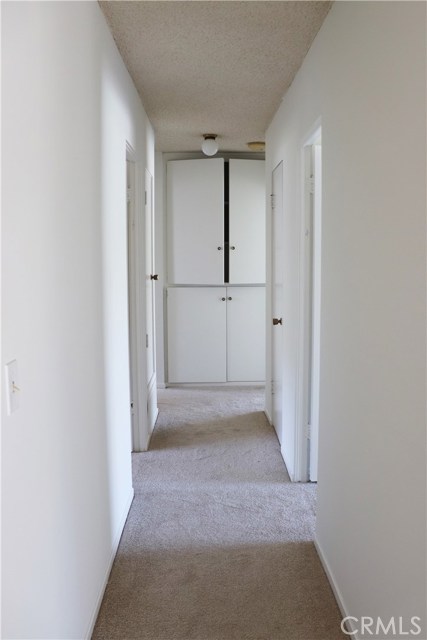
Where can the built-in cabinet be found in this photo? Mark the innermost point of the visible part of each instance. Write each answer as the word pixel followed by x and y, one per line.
pixel 216 270
pixel 216 334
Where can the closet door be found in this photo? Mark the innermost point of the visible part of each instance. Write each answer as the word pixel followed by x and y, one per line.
pixel 197 334
pixel 246 334
pixel 247 221
pixel 195 223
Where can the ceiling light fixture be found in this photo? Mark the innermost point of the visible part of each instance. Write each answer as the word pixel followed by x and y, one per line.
pixel 209 144
pixel 257 145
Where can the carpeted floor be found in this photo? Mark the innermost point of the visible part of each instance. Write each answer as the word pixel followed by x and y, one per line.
pixel 218 542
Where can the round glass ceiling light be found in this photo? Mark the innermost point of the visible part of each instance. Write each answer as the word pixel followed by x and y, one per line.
pixel 209 144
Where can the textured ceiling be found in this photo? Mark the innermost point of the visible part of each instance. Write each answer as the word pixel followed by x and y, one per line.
pixel 212 67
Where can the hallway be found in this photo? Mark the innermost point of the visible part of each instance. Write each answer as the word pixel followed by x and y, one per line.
pixel 218 544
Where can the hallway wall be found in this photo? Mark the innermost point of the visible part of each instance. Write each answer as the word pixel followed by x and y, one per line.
pixel 365 78
pixel 68 108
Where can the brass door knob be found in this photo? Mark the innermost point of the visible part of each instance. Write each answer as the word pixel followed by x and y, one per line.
pixel 154 276
pixel 277 321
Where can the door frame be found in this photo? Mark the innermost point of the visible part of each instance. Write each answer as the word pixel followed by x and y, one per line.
pixel 136 303
pixel 270 310
pixel 306 438
pixel 152 408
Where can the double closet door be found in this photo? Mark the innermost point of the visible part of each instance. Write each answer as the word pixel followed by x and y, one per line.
pixel 216 221
pixel 216 334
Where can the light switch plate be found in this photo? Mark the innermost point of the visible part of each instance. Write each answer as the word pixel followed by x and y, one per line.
pixel 13 391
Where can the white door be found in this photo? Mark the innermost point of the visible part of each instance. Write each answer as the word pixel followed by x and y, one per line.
pixel 245 334
pixel 150 338
pixel 277 300
pixel 247 221
pixel 197 334
pixel 195 205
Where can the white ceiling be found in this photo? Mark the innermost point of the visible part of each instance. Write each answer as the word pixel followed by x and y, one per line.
pixel 212 66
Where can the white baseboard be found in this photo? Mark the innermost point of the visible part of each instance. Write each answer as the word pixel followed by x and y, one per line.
pixel 336 590
pixel 115 546
pixel 161 385
pixel 267 415
pixel 176 385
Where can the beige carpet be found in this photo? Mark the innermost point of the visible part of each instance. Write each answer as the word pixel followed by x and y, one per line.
pixel 218 543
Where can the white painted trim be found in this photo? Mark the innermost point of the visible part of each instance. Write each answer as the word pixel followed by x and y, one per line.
pixel 335 588
pixel 140 431
pixel 115 546
pixel 132 296
pixel 301 473
pixel 267 415
pixel 256 383
pixel 152 390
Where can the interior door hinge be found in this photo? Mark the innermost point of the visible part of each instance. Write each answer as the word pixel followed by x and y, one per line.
pixel 273 201
pixel 146 340
pixel 145 197
pixel 310 184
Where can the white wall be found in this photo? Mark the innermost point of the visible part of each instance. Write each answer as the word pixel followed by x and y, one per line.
pixel 68 109
pixel 365 78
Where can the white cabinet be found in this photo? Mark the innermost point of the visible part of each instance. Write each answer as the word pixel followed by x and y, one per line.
pixel 216 334
pixel 215 252
pixel 195 223
pixel 247 221
pixel 216 227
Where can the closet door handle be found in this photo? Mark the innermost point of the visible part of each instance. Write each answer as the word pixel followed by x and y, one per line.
pixel 154 276
pixel 219 248
pixel 229 298
pixel 223 299
pixel 232 248
pixel 277 321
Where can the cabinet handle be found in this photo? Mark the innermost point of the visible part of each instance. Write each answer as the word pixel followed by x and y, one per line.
pixel 219 248
pixel 154 276
pixel 229 298
pixel 232 248
pixel 223 299
pixel 277 321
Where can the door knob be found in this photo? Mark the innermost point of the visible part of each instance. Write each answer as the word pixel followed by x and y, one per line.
pixel 229 298
pixel 277 321
pixel 154 276
pixel 223 299
pixel 233 248
pixel 219 248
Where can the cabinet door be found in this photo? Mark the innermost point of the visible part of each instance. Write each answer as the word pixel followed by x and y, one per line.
pixel 246 334
pixel 197 334
pixel 195 223
pixel 247 221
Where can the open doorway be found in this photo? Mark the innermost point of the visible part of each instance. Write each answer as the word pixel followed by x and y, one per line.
pixel 295 317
